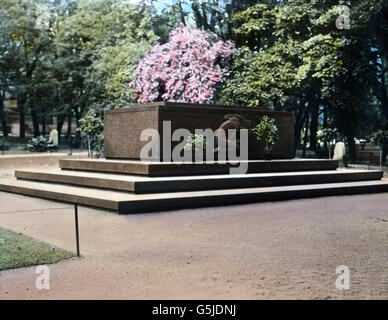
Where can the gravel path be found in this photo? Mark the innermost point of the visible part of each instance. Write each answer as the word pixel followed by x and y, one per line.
pixel 281 250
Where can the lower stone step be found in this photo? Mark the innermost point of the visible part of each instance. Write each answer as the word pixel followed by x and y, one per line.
pixel 126 203
pixel 142 185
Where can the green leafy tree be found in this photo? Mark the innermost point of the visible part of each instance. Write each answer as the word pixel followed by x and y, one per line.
pixel 30 47
pixel 92 127
pixel 282 54
pixel 82 58
pixel 7 50
pixel 293 57
pixel 105 39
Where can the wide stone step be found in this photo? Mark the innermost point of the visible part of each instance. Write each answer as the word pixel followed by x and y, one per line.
pixel 162 169
pixel 142 185
pixel 125 203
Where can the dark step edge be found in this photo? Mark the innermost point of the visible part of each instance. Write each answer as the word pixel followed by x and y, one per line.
pixel 187 202
pixel 149 187
pixel 159 205
pixel 160 170
pixel 141 169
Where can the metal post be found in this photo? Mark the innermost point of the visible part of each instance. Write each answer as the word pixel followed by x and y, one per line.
pixel 76 228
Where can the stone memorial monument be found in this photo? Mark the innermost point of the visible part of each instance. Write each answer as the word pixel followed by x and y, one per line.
pixel 123 127
pixel 126 184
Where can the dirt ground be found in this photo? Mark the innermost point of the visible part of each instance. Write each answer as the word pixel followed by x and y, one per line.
pixel 280 250
pixel 35 160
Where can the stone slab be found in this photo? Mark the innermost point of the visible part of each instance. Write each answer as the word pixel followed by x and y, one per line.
pixel 143 185
pixel 126 203
pixel 124 126
pixel 158 169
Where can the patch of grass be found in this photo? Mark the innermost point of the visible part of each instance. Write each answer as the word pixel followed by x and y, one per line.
pixel 17 250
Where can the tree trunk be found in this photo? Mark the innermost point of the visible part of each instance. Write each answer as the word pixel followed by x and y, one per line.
pixel 60 121
pixel 35 123
pixel 77 118
pixel 314 127
pixel 22 117
pixel 305 140
pixel 44 126
pixel 69 122
pixel 351 144
pixel 325 125
pixel 76 111
pixel 181 12
pixel 299 117
pixel 3 116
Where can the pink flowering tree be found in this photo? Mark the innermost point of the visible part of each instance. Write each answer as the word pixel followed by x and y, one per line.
pixel 188 68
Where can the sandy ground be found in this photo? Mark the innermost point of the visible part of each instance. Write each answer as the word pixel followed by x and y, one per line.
pixel 280 250
pixel 35 160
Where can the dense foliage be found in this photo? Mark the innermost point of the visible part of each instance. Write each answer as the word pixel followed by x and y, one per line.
pixel 266 131
pixel 290 56
pixel 91 127
pixel 83 58
pixel 39 144
pixel 187 68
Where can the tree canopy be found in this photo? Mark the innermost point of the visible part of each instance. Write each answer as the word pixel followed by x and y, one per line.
pixel 63 58
pixel 292 56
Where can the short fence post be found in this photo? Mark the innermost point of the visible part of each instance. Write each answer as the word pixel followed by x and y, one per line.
pixel 76 228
